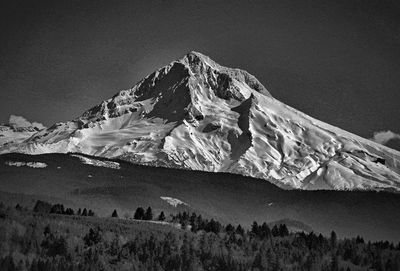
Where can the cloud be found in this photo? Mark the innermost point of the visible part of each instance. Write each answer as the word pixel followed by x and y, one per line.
pixel 21 122
pixel 18 121
pixel 384 137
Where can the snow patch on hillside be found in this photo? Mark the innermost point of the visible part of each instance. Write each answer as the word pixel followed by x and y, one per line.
pixel 27 164
pixel 173 201
pixel 97 163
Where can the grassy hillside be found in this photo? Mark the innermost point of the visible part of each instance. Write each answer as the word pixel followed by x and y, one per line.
pixel 44 241
pixel 229 198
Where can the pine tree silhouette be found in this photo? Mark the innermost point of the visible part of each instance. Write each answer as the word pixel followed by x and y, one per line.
pixel 161 217
pixel 84 212
pixel 149 214
pixel 114 214
pixel 139 214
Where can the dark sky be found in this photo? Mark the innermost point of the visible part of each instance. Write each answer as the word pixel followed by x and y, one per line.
pixel 338 62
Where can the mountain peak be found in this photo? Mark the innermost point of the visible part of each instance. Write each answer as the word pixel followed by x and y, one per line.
pixel 200 63
pixel 196 54
pixel 197 114
pixel 195 59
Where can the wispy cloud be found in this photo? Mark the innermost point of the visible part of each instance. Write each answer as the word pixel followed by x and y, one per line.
pixel 384 137
pixel 20 122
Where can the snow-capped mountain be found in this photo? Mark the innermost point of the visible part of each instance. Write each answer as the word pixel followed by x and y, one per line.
pixel 196 114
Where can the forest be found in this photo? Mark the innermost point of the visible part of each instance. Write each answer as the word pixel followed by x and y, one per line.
pixel 52 237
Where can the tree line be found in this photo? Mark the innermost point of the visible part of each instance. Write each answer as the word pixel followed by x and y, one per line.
pixel 46 207
pixel 203 244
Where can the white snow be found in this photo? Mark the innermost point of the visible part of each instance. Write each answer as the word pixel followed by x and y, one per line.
pixel 18 130
pixel 11 136
pixel 173 201
pixel 196 114
pixel 27 164
pixel 97 163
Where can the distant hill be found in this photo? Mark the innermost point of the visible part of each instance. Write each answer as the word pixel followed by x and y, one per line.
pixel 104 185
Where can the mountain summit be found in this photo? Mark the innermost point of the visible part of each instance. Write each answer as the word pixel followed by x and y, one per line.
pixel 196 114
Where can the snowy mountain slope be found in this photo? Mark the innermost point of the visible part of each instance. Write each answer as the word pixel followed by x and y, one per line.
pixel 18 130
pixel 196 114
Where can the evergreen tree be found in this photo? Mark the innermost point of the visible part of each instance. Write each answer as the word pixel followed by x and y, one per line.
pixel 69 211
pixel 139 214
pixel 149 214
pixel 359 240
pixel 161 217
pixel 213 226
pixel 239 230
pixel 283 230
pixel 84 212
pixel 114 213
pixel 42 207
pixel 57 209
pixel 229 228
pixel 275 231
pixel 255 230
pixel 333 239
pixel 334 266
pixel 264 231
